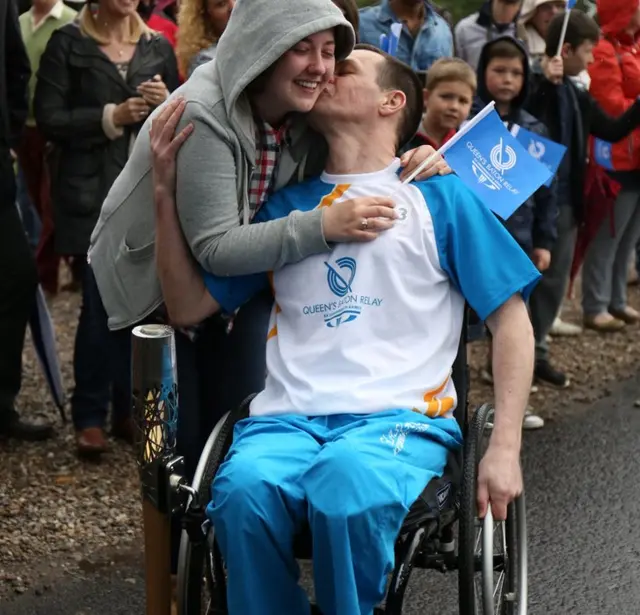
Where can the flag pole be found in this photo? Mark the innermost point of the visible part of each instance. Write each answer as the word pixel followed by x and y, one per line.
pixel 451 142
pixel 563 32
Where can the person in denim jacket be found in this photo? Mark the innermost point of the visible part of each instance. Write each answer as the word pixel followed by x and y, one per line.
pixel 426 35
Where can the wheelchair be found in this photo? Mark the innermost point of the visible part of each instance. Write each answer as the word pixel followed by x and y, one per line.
pixel 441 531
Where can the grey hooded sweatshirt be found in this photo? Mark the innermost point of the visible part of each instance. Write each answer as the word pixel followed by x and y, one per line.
pixel 214 168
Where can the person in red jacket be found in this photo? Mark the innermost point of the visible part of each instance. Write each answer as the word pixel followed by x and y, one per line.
pixel 158 21
pixel 615 84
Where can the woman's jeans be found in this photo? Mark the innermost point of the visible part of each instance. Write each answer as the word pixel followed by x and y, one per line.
pixel 216 371
pixel 604 273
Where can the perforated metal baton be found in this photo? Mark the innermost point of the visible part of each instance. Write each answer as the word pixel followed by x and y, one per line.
pixel 154 381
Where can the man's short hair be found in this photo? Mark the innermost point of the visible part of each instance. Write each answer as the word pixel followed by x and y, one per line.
pixel 396 75
pixel 505 49
pixel 447 70
pixel 580 28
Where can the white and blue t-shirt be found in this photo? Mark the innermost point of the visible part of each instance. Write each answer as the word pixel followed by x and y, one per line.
pixel 375 326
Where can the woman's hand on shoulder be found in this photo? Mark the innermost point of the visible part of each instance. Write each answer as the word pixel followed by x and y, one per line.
pixel 165 144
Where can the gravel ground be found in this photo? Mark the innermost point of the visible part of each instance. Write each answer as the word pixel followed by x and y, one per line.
pixel 58 514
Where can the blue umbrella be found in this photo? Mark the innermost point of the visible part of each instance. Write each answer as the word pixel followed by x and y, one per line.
pixel 44 341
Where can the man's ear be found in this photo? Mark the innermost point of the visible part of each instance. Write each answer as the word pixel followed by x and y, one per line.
pixel 392 102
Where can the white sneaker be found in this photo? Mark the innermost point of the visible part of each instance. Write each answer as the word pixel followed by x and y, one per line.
pixel 532 421
pixel 565 329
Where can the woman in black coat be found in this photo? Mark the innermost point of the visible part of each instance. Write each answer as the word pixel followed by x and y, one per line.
pixel 99 79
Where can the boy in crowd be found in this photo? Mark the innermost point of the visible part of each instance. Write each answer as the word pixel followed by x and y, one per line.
pixel 571 115
pixel 450 87
pixel 503 77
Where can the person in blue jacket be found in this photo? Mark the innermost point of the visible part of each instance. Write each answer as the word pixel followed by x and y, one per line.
pixel 426 35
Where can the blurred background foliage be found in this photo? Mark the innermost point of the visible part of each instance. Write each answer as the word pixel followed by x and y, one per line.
pixel 462 8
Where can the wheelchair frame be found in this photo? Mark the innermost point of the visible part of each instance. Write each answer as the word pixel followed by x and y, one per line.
pixel 426 541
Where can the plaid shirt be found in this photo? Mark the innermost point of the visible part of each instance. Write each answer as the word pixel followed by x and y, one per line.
pixel 269 143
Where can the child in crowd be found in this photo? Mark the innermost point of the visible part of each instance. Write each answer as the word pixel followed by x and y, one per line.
pixel 571 115
pixel 450 87
pixel 503 77
pixel 535 17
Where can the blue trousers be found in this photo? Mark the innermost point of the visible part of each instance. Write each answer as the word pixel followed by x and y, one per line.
pixel 352 478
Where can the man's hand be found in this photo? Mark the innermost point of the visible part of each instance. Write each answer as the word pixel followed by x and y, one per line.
pixel 541 259
pixel 499 480
pixel 415 157
pixel 553 69
pixel 165 146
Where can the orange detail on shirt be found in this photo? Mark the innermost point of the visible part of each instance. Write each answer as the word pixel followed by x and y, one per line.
pixel 437 407
pixel 336 193
pixel 273 332
pixel 273 291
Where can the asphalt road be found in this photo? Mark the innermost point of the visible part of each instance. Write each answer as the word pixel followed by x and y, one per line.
pixel 582 477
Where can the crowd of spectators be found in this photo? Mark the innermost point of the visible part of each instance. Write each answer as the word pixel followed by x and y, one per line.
pixel 82 79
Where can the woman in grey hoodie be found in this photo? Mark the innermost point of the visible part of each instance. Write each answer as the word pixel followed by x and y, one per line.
pixel 250 138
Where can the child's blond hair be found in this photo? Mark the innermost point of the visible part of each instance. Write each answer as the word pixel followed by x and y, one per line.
pixel 451 69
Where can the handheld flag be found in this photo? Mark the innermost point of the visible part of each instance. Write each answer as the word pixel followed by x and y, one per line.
pixel 570 4
pixel 544 150
pixel 602 154
pixel 496 167
pixel 489 160
pixel 394 38
pixel 384 43
pixel 389 43
pixel 491 163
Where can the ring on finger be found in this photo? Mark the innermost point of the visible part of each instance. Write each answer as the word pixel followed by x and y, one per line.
pixel 364 224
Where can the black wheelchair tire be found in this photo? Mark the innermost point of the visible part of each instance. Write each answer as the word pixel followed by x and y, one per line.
pixel 468 565
pixel 192 562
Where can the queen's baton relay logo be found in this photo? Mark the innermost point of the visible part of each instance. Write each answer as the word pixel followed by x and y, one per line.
pixel 349 304
pixel 537 149
pixel 603 154
pixel 490 173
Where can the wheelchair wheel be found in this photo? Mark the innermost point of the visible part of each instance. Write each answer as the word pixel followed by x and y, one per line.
pixel 198 592
pixel 492 556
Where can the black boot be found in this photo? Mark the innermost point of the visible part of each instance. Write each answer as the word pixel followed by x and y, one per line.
pixel 12 426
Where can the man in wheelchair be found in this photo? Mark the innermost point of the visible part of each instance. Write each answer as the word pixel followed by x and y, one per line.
pixel 357 412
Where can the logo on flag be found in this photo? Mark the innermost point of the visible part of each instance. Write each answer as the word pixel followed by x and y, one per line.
pixel 537 149
pixel 492 163
pixel 502 159
pixel 542 149
pixel 603 154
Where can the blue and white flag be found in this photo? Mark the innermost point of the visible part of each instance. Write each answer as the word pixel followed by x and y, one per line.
pixel 546 151
pixel 571 3
pixel 493 164
pixel 389 44
pixel 603 154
